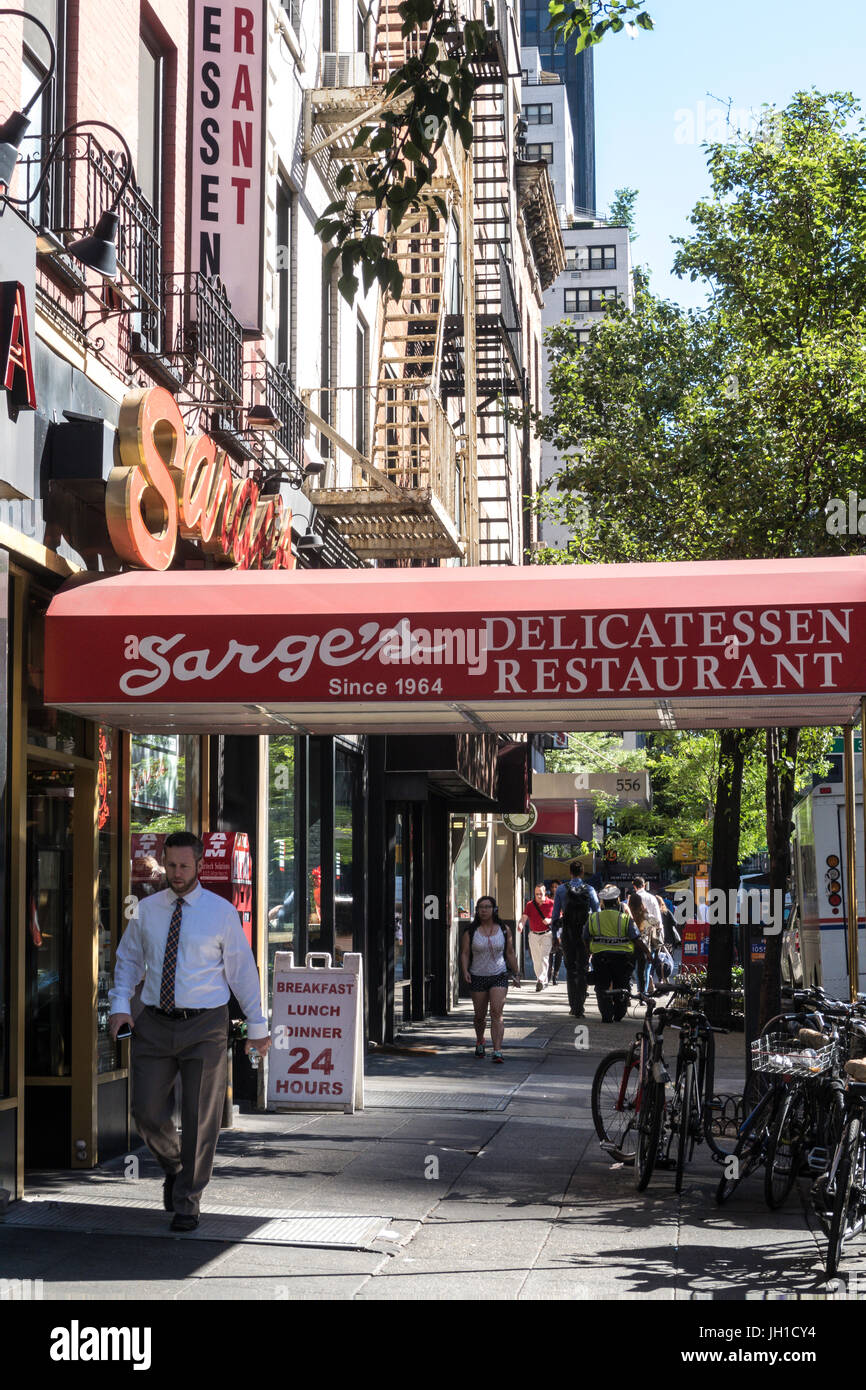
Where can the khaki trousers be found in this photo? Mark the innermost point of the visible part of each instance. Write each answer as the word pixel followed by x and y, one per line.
pixel 540 943
pixel 194 1048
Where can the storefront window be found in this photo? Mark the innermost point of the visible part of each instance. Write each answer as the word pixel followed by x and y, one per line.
pixel 347 791
pixel 164 777
pixel 401 912
pixel 282 850
pixel 462 866
pixel 314 846
pixel 4 823
pixel 106 1050
pixel 48 931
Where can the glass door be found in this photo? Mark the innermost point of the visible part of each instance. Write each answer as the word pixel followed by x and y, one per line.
pixel 48 926
pixel 400 898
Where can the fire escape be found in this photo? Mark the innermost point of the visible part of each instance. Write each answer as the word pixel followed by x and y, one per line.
pixel 407 487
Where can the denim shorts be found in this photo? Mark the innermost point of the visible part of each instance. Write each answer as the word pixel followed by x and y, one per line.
pixel 480 984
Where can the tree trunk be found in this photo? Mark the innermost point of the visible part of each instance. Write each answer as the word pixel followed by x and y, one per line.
pixel 726 859
pixel 782 747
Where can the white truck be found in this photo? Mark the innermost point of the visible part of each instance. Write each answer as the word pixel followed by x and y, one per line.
pixel 822 886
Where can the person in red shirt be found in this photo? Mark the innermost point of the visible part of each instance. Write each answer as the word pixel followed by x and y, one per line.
pixel 537 915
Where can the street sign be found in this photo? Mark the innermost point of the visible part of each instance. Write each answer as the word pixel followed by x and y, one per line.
pixel 519 822
pixel 839 745
pixel 684 851
pixel 631 787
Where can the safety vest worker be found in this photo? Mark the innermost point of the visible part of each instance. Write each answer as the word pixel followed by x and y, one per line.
pixel 609 932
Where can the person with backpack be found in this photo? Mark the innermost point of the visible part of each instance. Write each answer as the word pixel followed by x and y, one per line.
pixel 486 956
pixel 536 916
pixel 555 947
pixel 571 908
pixel 615 944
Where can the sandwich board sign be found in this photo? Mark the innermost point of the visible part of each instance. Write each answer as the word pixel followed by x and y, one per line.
pixel 316 1061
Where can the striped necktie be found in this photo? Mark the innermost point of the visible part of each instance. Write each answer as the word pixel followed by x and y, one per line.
pixel 169 960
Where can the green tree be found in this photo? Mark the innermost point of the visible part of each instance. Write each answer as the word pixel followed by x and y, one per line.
pixel 425 97
pixel 665 412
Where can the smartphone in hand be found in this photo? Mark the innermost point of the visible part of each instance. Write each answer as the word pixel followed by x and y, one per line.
pixel 124 1031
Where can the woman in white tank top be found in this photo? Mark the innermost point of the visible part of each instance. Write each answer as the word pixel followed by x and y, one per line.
pixel 486 956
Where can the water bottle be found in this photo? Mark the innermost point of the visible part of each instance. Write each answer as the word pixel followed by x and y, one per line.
pixel 255 1058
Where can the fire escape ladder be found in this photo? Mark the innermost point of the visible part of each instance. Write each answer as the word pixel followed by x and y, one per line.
pixel 498 369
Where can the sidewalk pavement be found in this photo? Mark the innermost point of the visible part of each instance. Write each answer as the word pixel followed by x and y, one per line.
pixel 478 1180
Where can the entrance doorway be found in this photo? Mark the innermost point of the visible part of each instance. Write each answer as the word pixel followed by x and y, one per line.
pixel 400 916
pixel 48 935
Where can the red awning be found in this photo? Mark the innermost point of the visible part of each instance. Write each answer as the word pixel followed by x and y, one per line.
pixel 566 647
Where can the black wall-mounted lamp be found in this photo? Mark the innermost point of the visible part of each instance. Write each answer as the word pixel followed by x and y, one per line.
pixel 98 250
pixel 13 129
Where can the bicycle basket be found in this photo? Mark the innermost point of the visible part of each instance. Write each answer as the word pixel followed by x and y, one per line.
pixel 778 1053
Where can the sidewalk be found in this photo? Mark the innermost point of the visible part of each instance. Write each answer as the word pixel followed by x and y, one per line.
pixel 459 1179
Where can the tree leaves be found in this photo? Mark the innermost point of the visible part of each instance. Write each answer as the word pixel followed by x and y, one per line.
pixel 429 94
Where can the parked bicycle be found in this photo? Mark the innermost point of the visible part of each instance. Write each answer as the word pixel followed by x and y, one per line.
pixel 629 1089
pixel 795 1122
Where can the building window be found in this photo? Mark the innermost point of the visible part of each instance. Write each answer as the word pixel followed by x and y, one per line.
pixel 150 120
pixel 602 258
pixel 576 258
pixel 591 301
pixel 544 152
pixel 362 375
pixel 583 334
pixel 46 116
pixel 538 114
pixel 293 13
pixel 284 260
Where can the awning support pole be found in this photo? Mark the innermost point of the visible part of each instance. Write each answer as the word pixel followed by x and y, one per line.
pixel 851 858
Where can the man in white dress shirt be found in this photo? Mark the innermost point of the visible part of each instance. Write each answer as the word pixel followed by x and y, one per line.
pixel 188 946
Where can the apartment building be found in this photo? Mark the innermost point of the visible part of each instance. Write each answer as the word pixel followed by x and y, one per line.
pixel 598 268
pixel 186 389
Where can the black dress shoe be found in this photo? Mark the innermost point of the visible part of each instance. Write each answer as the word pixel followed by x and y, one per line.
pixel 167 1190
pixel 183 1223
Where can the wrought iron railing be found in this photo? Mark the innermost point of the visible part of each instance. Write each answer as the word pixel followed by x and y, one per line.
pixel 91 178
pixel 209 339
pixel 286 404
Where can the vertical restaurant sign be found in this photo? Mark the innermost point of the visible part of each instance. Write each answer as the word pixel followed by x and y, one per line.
pixel 16 358
pixel 226 176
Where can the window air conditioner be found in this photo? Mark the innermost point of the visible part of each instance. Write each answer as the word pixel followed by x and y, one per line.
pixel 345 70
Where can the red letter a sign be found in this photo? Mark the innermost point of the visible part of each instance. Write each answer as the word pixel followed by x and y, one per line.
pixel 16 362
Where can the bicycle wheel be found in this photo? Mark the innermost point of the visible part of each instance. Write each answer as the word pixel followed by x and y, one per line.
pixel 649 1131
pixel 686 1110
pixel 615 1094
pixel 842 1198
pixel 750 1148
pixel 785 1147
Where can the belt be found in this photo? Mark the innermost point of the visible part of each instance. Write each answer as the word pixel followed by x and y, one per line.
pixel 175 1013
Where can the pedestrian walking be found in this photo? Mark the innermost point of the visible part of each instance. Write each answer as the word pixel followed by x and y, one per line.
pixel 188 947
pixel 536 916
pixel 614 943
pixel 486 956
pixel 571 908
pixel 556 947
pixel 652 937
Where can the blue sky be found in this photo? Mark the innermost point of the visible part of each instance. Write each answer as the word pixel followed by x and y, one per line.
pixel 651 99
